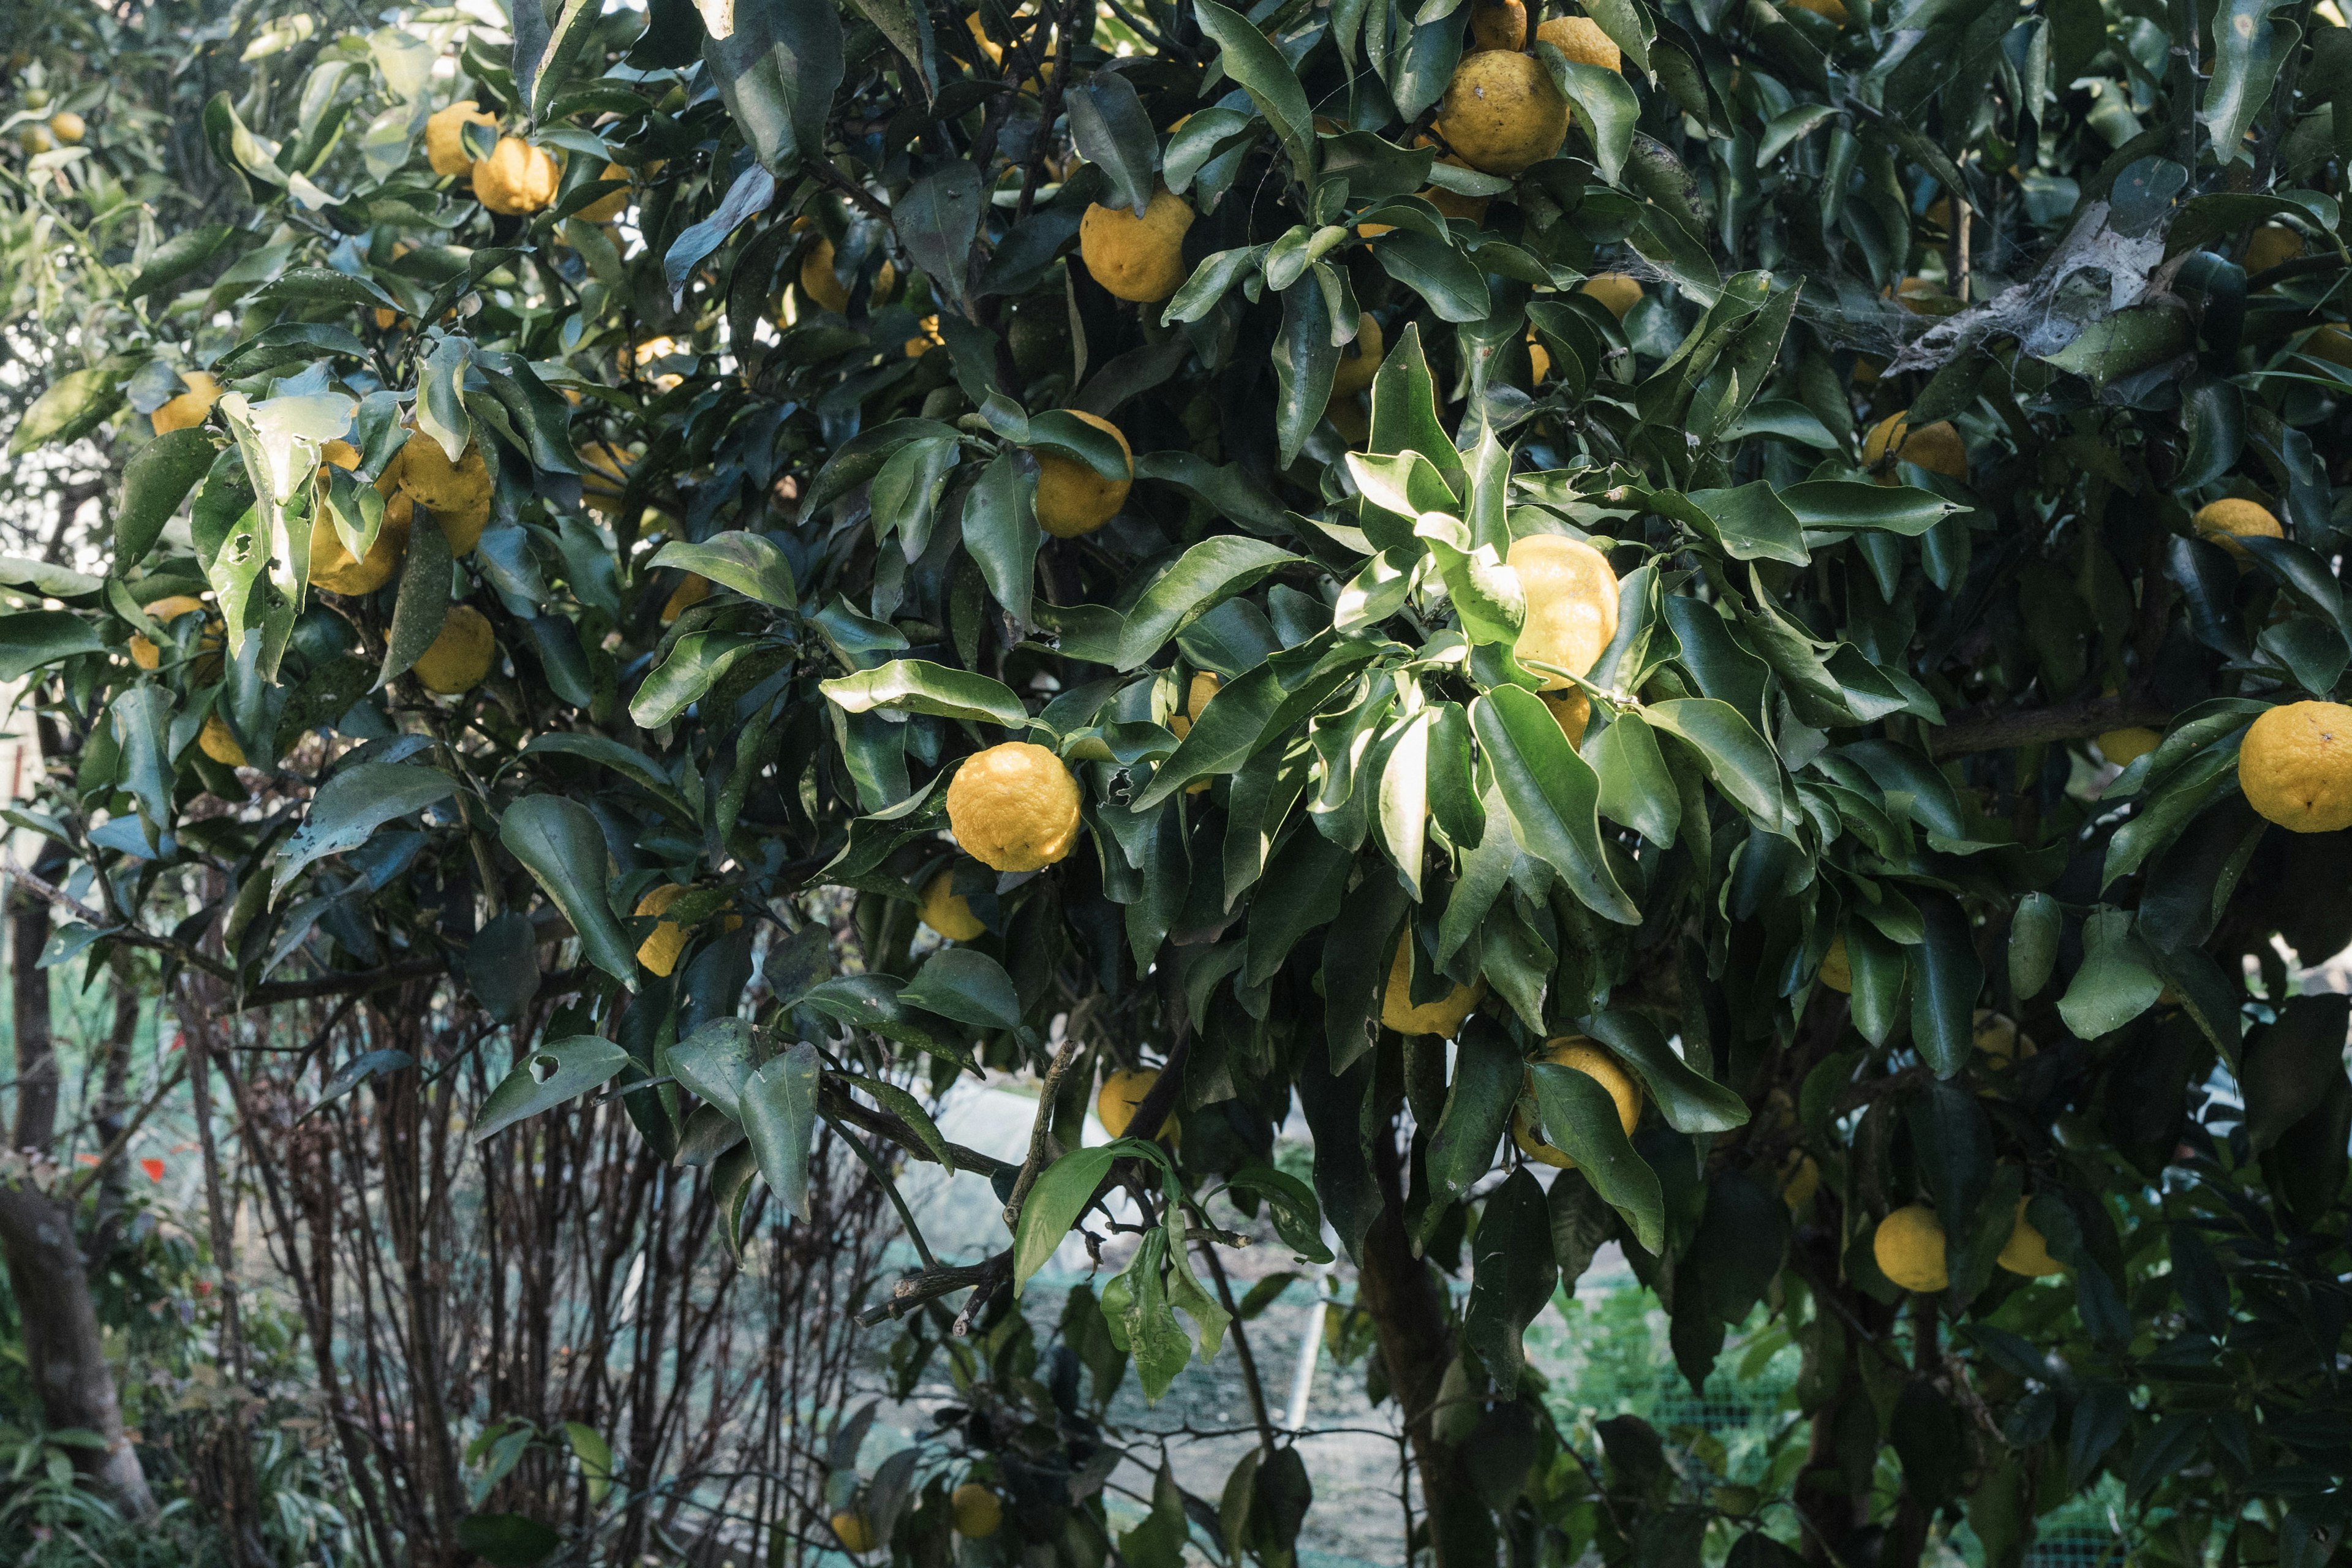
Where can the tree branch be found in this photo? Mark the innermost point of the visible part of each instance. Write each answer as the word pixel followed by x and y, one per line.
pixel 1997 729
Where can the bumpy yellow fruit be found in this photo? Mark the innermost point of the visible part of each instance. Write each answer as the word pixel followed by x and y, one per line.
pixel 1442 1017
pixel 2224 522
pixel 817 278
pixel 2027 1250
pixel 1138 258
pixel 659 950
pixel 1572 596
pixel 948 912
pixel 1072 499
pixel 1498 24
pixel 606 208
pixel 1909 1248
pixel 1837 968
pixel 604 475
pixel 2295 766
pixel 2273 244
pixel 331 566
pixel 684 596
pixel 2124 747
pixel 164 612
pixel 1359 361
pixel 456 494
pixel 1620 291
pixel 1581 40
pixel 1015 808
pixel 1572 710
pixel 854 1531
pixel 1576 1051
pixel 1937 447
pixel 187 410
pixel 926 340
pixel 1122 1095
pixel 977 1513
pixel 516 179
pixel 1502 113
pixel 1996 1035
pixel 445 138
pixel 1203 690
pixel 460 656
pixel 68 129
pixel 217 741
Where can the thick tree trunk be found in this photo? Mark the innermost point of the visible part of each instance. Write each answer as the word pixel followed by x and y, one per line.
pixel 64 1350
pixel 1407 1307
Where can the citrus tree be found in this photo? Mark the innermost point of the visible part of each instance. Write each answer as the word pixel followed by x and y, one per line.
pixel 1709 629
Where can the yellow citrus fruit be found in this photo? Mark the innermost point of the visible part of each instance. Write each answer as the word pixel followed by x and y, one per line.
pixel 687 593
pixel 1359 361
pixel 659 950
pixel 331 566
pixel 164 612
pixel 2330 342
pixel 1581 40
pixel 516 179
pixel 460 656
pixel 2027 1251
pixel 1917 296
pixel 1072 499
pixel 1833 9
pixel 1572 596
pixel 1620 291
pixel 1120 1096
pixel 2295 766
pixel 1837 968
pixel 68 128
pixel 188 409
pixel 1138 258
pixel 1442 1017
pixel 926 340
pixel 1015 808
pixel 1453 204
pixel 2224 522
pixel 2124 747
pixel 35 140
pixel 1539 360
pixel 948 912
pixel 1349 417
pixel 1801 1178
pixel 445 138
pixel 605 475
pixel 1937 447
pixel 854 1531
pixel 1204 686
pixel 606 208
pixel 216 741
pixel 1573 711
pixel 1996 1034
pixel 1502 113
pixel 1909 1248
pixel 425 473
pixel 1498 24
pixel 817 278
pixel 2273 244
pixel 1594 1062
pixel 976 1511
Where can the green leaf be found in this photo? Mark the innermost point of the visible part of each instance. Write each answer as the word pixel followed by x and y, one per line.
pixel 155 480
pixel 323 286
pixel 715 1062
pixel 1053 1206
pixel 1553 797
pixel 76 403
pixel 1737 760
pixel 914 686
pixel 748 562
pixel 1687 1097
pixel 779 1112
pixel 31 638
pixel 1636 788
pixel 1606 108
pixel 966 985
pixel 2033 934
pixel 1946 977
pixel 2127 342
pixel 1290 1203
pixel 1110 128
pixel 1752 522
pixel 999 529
pixel 544 1078
pixel 350 807
pixel 1258 69
pixel 559 843
pixel 2117 983
pixel 777 71
pixel 1851 504
pixel 603 752
pixel 2290 1065
pixel 508 1540
pixel 177 258
pixel 2249 50
pixel 1488 1073
pixel 423 607
pixel 1304 360
pixel 694 663
pixel 1206 575
pixel 1437 271
pixel 1513 1274
pixel 938 218
pixel 1581 1120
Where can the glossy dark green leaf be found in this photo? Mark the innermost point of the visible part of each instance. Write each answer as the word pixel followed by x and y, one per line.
pixel 999 529
pixel 349 808
pixel 967 985
pixel 1054 1204
pixel 1488 1073
pixel 31 638
pixel 1606 108
pixel 2033 934
pixel 544 1078
pixel 1581 1120
pixel 936 220
pixel 779 1112
pixel 1437 271
pixel 559 843
pixel 916 686
pixel 1635 787
pixel 155 480
pixel 1512 1275
pixel 1304 360
pixel 1736 760
pixel 1259 69
pixel 422 608
pixel 1553 797
pixel 73 404
pixel 1111 129
pixel 1848 504
pixel 1946 977
pixel 1687 1097
pixel 777 72
pixel 1205 577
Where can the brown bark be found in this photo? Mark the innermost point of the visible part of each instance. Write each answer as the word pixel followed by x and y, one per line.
pixel 64 1350
pixel 1407 1307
